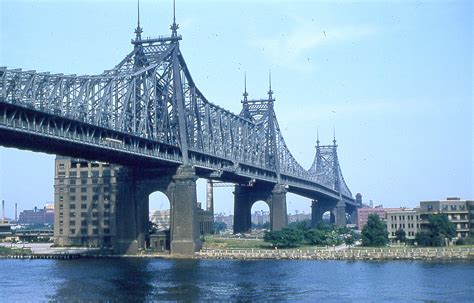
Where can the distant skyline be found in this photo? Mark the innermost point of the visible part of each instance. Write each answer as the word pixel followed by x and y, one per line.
pixel 394 78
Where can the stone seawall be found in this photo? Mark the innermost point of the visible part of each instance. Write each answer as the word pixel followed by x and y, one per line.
pixel 419 253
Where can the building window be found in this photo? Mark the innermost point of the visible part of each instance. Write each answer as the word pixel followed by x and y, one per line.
pixel 430 207
pixel 61 231
pixel 106 222
pixel 84 174
pixel 95 198
pixel 453 207
pixel 72 189
pixel 72 215
pixel 83 222
pixel 72 206
pixel 83 198
pixel 72 198
pixel 106 231
pixel 83 215
pixel 61 174
pixel 95 181
pixel 72 223
pixel 95 222
pixel 95 205
pixel 72 182
pixel 72 174
pixel 95 214
pixel 83 189
pixel 83 206
pixel 72 231
pixel 83 231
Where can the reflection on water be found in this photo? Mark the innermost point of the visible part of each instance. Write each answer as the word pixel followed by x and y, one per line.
pixel 138 279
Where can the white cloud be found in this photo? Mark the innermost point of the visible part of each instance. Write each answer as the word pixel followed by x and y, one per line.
pixel 292 49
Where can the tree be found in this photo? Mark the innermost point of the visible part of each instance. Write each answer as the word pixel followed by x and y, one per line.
pixel 374 232
pixel 423 238
pixel 287 237
pixel 400 235
pixel 441 227
pixel 315 236
pixel 302 225
pixel 219 226
pixel 333 238
pixel 438 229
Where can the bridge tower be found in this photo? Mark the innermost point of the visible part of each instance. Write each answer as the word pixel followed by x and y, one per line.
pixel 178 184
pixel 261 111
pixel 326 168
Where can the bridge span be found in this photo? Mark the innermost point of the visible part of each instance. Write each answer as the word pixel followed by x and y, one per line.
pixel 148 115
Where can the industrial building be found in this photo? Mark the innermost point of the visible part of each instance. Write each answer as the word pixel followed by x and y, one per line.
pixel 84 199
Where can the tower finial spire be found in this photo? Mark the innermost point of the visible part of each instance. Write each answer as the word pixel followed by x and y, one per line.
pixel 270 92
pixel 245 94
pixel 334 136
pixel 138 30
pixel 174 27
pixel 317 137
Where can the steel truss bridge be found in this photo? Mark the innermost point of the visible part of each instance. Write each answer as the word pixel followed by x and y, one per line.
pixel 148 111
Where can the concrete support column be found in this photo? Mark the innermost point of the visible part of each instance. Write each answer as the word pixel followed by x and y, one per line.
pixel 278 213
pixel 340 213
pixel 242 210
pixel 126 231
pixel 184 225
pixel 143 217
pixel 316 213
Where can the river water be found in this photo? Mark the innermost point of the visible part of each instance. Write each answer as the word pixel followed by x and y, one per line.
pixel 139 279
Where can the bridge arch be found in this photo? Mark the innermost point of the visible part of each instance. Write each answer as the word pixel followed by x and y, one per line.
pixel 260 214
pixel 159 222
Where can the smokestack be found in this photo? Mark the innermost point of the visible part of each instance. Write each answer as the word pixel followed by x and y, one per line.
pixel 3 211
pixel 16 212
pixel 210 197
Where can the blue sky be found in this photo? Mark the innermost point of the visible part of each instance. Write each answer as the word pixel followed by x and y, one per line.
pixel 393 77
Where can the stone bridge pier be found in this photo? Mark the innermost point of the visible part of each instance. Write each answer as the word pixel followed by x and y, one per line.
pixel 246 196
pixel 132 208
pixel 337 210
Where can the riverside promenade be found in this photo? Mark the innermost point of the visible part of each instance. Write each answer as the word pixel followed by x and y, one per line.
pixel 386 253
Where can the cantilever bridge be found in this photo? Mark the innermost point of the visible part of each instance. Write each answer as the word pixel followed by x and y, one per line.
pixel 147 114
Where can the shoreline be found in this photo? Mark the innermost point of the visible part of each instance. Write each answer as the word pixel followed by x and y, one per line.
pixel 354 254
pixel 411 253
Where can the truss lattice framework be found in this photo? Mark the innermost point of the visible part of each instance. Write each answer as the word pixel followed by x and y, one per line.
pixel 326 169
pixel 151 94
